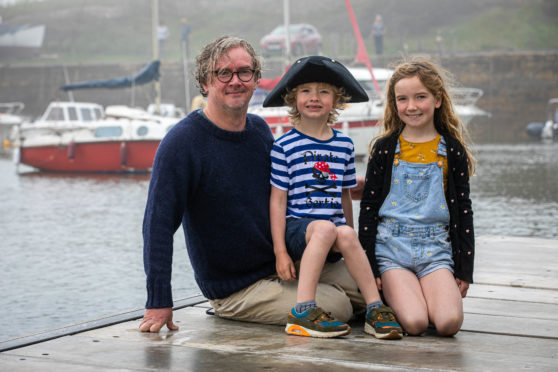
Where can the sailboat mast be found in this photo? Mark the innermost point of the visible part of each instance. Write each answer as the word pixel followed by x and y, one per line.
pixel 154 25
pixel 286 21
pixel 362 54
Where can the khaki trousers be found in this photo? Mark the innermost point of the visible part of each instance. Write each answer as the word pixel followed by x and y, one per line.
pixel 270 300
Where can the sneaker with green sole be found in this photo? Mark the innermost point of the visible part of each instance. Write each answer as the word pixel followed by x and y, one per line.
pixel 381 323
pixel 315 322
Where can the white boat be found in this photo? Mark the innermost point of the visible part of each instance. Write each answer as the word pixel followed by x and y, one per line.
pixel 547 131
pixel 464 103
pixel 23 36
pixel 10 116
pixel 360 120
pixel 82 137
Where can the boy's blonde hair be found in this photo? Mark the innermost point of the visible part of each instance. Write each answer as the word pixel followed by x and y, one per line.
pixel 435 80
pixel 339 101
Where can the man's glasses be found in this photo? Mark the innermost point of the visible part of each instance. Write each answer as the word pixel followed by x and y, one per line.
pixel 225 76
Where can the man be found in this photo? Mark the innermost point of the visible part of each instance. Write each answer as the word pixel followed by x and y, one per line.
pixel 211 173
pixel 162 35
pixel 378 31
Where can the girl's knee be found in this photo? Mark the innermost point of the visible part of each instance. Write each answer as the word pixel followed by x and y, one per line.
pixel 448 321
pixel 449 326
pixel 412 319
pixel 414 326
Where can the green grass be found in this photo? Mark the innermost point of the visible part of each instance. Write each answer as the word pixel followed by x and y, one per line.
pixel 521 28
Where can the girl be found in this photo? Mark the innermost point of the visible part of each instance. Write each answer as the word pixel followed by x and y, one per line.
pixel 416 222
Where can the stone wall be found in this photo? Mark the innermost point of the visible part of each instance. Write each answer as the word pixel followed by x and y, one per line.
pixel 516 87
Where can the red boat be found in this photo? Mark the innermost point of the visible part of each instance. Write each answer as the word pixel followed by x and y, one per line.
pixel 81 137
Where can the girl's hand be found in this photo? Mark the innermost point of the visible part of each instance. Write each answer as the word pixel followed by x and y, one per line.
pixel 379 284
pixel 285 267
pixel 463 287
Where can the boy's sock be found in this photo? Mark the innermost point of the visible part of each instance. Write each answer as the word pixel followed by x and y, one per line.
pixel 373 305
pixel 301 307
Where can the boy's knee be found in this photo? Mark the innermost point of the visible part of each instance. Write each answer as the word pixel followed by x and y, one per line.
pixel 347 239
pixel 346 233
pixel 324 229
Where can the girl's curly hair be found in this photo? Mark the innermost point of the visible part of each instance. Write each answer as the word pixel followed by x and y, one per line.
pixel 436 80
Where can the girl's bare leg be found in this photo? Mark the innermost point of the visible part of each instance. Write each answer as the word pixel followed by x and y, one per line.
pixel 443 299
pixel 403 293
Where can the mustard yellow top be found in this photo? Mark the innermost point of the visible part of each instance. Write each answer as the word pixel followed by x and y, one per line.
pixel 423 152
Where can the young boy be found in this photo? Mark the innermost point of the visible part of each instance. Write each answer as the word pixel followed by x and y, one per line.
pixel 310 206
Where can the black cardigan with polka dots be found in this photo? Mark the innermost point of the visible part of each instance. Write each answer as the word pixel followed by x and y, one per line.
pixel 376 189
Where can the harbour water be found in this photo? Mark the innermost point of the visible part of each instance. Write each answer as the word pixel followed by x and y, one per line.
pixel 71 247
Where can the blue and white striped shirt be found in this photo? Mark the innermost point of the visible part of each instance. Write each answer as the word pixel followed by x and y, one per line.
pixel 314 172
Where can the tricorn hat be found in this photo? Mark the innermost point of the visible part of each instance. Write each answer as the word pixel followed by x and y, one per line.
pixel 316 69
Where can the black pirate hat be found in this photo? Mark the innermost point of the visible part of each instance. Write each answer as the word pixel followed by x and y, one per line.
pixel 317 69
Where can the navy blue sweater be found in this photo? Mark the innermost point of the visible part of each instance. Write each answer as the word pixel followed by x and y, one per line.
pixel 216 183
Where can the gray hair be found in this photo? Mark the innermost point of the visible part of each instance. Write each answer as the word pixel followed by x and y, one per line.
pixel 210 54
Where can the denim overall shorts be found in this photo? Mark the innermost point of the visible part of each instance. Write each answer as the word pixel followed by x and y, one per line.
pixel 413 232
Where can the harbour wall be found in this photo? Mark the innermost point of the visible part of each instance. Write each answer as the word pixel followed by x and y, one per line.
pixel 516 86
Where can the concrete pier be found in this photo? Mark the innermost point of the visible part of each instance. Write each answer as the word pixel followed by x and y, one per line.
pixel 511 324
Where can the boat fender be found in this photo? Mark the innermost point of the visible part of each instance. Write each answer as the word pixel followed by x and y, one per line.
pixel 71 150
pixel 123 154
pixel 547 130
pixel 17 156
pixel 534 130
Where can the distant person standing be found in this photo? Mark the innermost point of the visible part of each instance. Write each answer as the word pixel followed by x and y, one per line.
pixel 185 30
pixel 162 36
pixel 378 30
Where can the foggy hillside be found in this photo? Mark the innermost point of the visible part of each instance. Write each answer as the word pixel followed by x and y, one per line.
pixel 97 30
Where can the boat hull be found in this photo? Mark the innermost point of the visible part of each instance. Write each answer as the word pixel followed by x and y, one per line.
pixel 102 157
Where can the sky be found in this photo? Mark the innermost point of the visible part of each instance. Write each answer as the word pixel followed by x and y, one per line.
pixel 5 3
